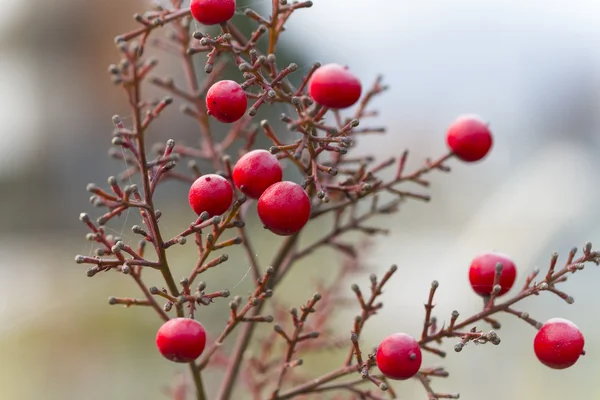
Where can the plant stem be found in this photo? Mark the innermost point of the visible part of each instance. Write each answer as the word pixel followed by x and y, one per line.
pixel 245 335
pixel 200 394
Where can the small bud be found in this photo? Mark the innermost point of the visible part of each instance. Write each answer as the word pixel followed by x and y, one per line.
pixel 129 189
pixel 435 284
pixel 83 217
pixel 455 314
pixel 112 181
pixel 316 296
pixel 496 289
pixel 125 269
pixel 181 240
pixel 112 300
pixel 225 293
pixel 544 286
pixel 499 268
pixel 204 216
pixel 458 347
pixel 79 259
pixel 355 288
pixel 383 386
pixel 153 290
pixel 293 67
pixel 570 300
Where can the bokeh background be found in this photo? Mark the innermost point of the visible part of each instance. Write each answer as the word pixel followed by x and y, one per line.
pixel 531 68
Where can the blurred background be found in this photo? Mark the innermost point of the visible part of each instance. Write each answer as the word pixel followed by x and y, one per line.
pixel 531 68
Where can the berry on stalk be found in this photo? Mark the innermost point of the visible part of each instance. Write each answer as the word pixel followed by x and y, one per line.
pixel 334 86
pixel 211 193
pixel 483 271
pixel 212 12
pixel 255 171
pixel 181 340
pixel 399 356
pixel 226 101
pixel 558 344
pixel 284 208
pixel 469 138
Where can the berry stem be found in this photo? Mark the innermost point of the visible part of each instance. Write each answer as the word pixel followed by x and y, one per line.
pixel 544 285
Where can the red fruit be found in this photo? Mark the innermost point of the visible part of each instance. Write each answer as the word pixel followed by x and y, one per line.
pixel 483 271
pixel 399 356
pixel 181 340
pixel 470 138
pixel 334 86
pixel 284 208
pixel 211 193
pixel 226 101
pixel 558 344
pixel 255 172
pixel 212 12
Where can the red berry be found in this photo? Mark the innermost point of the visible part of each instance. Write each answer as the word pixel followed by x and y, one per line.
pixel 226 101
pixel 255 172
pixel 181 340
pixel 334 86
pixel 211 193
pixel 470 138
pixel 558 344
pixel 284 208
pixel 399 356
pixel 483 271
pixel 212 12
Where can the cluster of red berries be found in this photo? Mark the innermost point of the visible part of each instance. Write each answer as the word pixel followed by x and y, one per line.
pixel 558 344
pixel 283 206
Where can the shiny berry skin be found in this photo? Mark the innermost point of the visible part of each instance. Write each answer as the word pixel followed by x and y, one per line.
pixel 483 271
pixel 284 208
pixel 469 138
pixel 181 340
pixel 212 12
pixel 558 344
pixel 399 356
pixel 211 193
pixel 334 86
pixel 226 101
pixel 255 171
